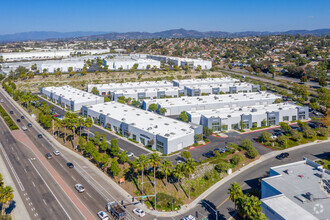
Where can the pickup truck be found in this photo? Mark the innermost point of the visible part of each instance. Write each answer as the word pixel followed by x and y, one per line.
pixel 116 210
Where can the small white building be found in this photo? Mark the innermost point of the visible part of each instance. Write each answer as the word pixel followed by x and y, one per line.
pixel 182 62
pixel 127 63
pixel 52 66
pixel 69 97
pixel 175 106
pixel 163 134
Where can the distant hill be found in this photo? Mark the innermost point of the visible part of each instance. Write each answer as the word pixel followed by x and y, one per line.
pixel 175 33
pixel 182 33
pixel 44 35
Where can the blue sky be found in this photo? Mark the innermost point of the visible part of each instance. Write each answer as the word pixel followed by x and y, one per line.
pixel 158 15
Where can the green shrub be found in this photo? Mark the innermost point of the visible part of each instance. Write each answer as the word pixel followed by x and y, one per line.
pixel 252 152
pixel 222 166
pixel 236 159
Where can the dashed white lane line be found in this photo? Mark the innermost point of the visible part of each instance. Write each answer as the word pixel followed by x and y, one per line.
pixel 34 185
pixel 44 202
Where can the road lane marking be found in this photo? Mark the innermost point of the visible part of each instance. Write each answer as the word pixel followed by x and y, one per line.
pixel 12 168
pixel 50 189
pixel 45 202
pixel 73 178
pixel 34 185
pixel 61 165
pixel 89 195
pixel 25 170
pixel 228 198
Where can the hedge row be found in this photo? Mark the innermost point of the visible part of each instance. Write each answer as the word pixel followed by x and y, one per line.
pixel 11 124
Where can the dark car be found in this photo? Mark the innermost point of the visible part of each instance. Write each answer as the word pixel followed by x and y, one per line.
pixel 49 156
pixel 282 156
pixel 312 125
pixel 22 117
pixel 29 125
pixel 70 165
pixel 39 135
pixel 220 150
pixel 18 120
pixel 209 154
pixel 11 112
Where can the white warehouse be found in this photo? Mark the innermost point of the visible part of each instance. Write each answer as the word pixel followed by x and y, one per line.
pixel 163 134
pixel 179 61
pixel 148 93
pixel 127 63
pixel 207 81
pixel 174 106
pixel 246 117
pixel 105 89
pixel 70 98
pixel 63 65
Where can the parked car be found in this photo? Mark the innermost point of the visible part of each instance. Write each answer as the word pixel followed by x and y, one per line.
pixel 282 156
pixel 312 125
pixel 24 128
pixel 1 100
pixel 11 112
pixel 49 156
pixel 39 135
pixel 273 137
pixel 70 165
pixel 18 120
pixel 189 217
pixel 103 215
pixel 179 161
pixel 129 154
pixel 209 154
pixel 79 188
pixel 220 150
pixel 29 125
pixel 56 153
pixel 139 212
pixel 22 117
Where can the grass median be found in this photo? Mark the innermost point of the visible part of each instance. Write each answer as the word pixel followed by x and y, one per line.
pixel 9 121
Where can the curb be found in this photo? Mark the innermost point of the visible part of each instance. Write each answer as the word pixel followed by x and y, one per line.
pixel 199 146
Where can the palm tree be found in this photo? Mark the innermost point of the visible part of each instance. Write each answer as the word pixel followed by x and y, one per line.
pixel 167 168
pixel 73 119
pixel 88 124
pixel 81 123
pixel 242 204
pixel 235 192
pixel 178 172
pixel 154 161
pixel 6 195
pixel 190 167
pixel 141 164
pixel 64 123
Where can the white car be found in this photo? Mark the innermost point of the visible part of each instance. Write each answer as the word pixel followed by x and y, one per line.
pixel 273 137
pixel 179 162
pixel 189 217
pixel 1 100
pixel 129 154
pixel 139 212
pixel 79 188
pixel 24 128
pixel 103 215
pixel 56 153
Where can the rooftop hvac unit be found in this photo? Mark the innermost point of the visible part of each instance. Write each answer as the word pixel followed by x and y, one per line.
pixel 101 110
pixel 254 110
pixel 309 196
pixel 228 116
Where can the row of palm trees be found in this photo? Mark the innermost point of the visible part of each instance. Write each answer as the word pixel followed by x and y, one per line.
pixel 6 194
pixel 166 166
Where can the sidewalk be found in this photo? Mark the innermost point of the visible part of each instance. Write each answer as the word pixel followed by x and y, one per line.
pixel 19 212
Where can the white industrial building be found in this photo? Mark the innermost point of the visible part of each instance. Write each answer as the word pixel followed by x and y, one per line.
pixel 51 54
pixel 207 81
pixel 147 93
pixel 163 134
pixel 52 66
pixel 69 97
pixel 207 89
pixel 127 63
pixel 299 190
pixel 105 89
pixel 175 106
pixel 182 62
pixel 246 117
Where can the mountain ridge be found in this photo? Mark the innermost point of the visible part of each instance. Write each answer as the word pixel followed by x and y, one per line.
pixel 173 33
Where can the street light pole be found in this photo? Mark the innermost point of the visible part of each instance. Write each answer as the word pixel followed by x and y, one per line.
pixel 216 212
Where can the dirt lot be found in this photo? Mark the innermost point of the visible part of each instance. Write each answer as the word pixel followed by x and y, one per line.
pixel 80 81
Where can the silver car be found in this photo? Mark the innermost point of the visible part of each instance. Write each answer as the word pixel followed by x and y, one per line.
pixel 79 188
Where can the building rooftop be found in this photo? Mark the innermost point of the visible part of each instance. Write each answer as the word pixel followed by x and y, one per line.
pixel 296 181
pixel 202 100
pixel 190 82
pixel 137 90
pixel 131 85
pixel 217 85
pixel 246 110
pixel 73 94
pixel 144 120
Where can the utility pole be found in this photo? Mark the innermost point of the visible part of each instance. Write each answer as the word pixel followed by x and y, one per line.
pixel 216 212
pixel 155 194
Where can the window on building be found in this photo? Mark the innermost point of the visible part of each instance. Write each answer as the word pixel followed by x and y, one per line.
pixel 245 124
pixel 271 120
pixel 234 126
pixel 294 118
pixel 160 146
pixel 134 137
pixel 215 126
pixel 143 141
pixel 254 124
pixel 224 127
pixel 126 133
pixel 264 122
pixel 285 118
pixel 115 128
pixel 301 115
